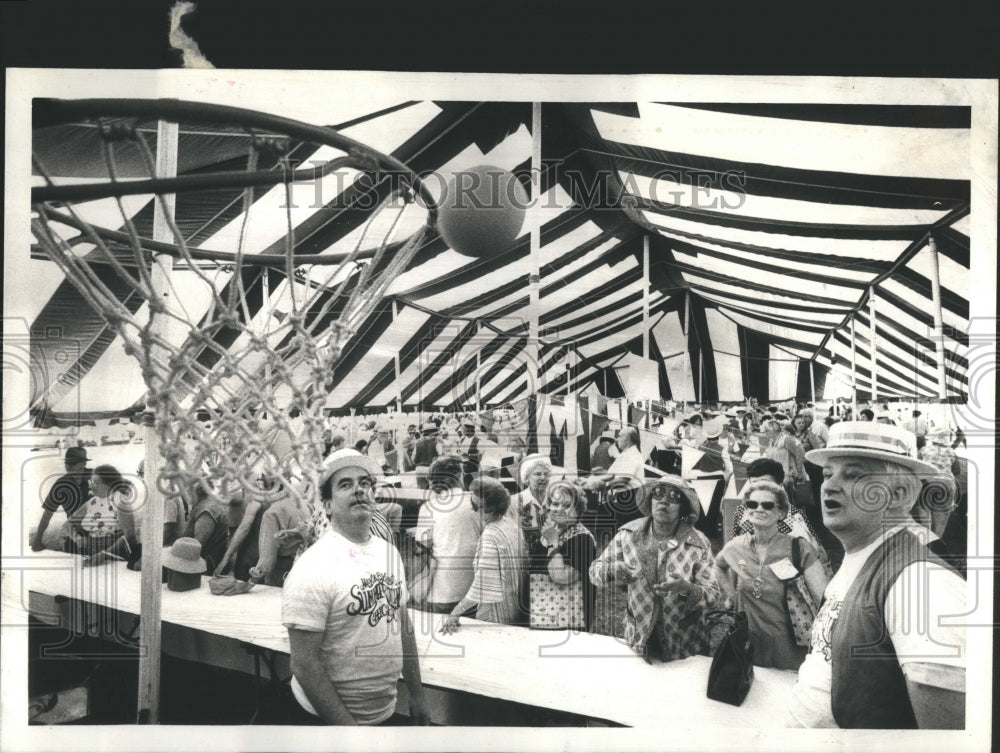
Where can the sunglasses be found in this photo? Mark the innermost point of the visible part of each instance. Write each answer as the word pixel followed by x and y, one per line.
pixel 752 504
pixel 672 495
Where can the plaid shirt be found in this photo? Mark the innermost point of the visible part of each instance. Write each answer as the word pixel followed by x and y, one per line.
pixel 678 621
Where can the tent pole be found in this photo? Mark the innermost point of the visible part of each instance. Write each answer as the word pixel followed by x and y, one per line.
pixel 938 334
pixel 395 359
pixel 148 706
pixel 854 376
pixel 534 277
pixel 479 366
pixel 812 380
pixel 645 296
pixel 701 376
pixel 874 344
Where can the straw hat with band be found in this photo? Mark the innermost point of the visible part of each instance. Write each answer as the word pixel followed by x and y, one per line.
pixel 869 439
pixel 429 428
pixel 349 458
pixel 607 436
pixel 673 484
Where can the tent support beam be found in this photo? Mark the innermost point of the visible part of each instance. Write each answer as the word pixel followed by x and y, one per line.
pixel 912 250
pixel 854 375
pixel 479 369
pixel 534 277
pixel 395 359
pixel 874 342
pixel 646 335
pixel 150 600
pixel 938 334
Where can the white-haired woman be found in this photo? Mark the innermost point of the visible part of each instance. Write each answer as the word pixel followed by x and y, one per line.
pixel 755 569
pixel 528 505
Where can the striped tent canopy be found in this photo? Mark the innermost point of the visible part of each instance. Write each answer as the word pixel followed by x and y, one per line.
pixel 772 231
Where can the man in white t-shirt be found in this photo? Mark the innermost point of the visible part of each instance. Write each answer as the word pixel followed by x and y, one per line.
pixel 344 604
pixel 888 647
pixel 449 526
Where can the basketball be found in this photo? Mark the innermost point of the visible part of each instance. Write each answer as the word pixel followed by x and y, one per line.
pixel 482 211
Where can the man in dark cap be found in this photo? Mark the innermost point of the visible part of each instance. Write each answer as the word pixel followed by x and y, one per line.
pixel 69 492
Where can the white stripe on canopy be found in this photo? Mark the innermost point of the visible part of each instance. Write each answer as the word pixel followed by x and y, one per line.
pixel 783 374
pixel 670 192
pixel 726 346
pixel 843 147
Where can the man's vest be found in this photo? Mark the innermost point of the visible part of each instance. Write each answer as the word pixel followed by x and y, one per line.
pixel 869 689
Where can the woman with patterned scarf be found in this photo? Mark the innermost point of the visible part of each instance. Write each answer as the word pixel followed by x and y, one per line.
pixel 667 567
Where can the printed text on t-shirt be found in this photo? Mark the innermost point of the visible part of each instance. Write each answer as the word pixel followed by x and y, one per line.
pixel 377 596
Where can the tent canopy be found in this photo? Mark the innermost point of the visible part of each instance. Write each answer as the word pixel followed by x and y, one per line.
pixel 768 227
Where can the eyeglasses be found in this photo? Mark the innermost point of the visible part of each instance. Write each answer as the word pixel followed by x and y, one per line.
pixel 752 504
pixel 673 496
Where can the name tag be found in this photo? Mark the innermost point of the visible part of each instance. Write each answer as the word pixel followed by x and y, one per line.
pixel 784 569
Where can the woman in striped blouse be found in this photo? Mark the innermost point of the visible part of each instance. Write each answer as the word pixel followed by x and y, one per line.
pixel 496 588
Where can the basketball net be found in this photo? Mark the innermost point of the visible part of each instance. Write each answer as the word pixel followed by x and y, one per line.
pixel 239 367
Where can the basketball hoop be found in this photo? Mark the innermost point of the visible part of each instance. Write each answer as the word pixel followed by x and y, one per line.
pixel 255 333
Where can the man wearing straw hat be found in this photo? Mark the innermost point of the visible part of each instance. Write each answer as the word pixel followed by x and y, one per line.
pixel 425 450
pixel 888 649
pixel 344 604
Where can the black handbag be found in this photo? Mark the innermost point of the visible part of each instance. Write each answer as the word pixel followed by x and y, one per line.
pixel 731 673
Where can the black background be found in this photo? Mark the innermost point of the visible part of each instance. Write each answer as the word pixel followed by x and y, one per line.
pixel 552 36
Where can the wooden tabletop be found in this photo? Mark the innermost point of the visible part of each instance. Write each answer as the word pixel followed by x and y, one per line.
pixel 592 675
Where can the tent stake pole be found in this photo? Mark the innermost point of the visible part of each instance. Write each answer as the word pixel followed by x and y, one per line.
pixel 148 706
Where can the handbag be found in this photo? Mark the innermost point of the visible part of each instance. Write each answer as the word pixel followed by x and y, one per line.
pixel 802 494
pixel 553 606
pixel 801 607
pixel 731 673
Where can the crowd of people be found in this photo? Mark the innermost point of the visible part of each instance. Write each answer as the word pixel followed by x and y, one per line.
pixel 837 514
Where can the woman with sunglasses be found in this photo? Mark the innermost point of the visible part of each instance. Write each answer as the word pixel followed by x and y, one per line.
pixel 666 567
pixel 756 568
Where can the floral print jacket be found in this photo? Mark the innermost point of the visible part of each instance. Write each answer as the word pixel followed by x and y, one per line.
pixel 678 620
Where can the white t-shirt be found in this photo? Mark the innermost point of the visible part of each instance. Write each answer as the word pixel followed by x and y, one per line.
pixel 352 594
pixel 450 526
pixel 921 599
